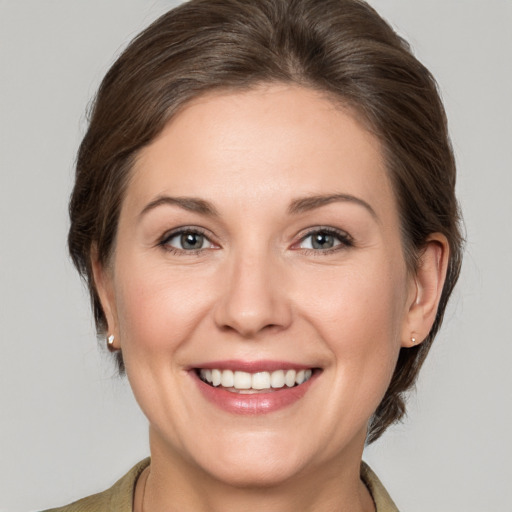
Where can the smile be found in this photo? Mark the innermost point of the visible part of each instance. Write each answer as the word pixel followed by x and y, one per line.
pixel 258 382
pixel 253 388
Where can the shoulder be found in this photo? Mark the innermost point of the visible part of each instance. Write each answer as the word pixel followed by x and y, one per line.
pixel 119 497
pixel 381 498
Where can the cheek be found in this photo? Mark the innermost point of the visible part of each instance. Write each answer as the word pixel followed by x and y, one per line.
pixel 158 308
pixel 359 315
pixel 355 301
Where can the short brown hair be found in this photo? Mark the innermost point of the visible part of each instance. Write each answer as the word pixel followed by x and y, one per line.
pixel 342 47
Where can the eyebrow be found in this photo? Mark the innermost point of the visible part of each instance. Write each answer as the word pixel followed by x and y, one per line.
pixel 308 203
pixel 191 204
pixel 297 206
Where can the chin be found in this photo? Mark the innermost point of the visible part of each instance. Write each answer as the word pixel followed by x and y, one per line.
pixel 253 462
pixel 256 473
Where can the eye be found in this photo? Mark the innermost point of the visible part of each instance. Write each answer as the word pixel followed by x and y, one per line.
pixel 188 240
pixel 325 240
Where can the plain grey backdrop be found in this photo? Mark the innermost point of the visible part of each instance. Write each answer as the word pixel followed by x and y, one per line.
pixel 69 427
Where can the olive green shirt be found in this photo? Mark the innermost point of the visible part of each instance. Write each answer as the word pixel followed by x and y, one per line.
pixel 119 498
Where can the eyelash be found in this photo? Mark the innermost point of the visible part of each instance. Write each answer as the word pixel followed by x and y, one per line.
pixel 344 238
pixel 178 232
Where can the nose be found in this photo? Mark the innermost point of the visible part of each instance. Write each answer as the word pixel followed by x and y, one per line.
pixel 254 297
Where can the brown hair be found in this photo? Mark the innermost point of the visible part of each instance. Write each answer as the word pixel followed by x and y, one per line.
pixel 342 47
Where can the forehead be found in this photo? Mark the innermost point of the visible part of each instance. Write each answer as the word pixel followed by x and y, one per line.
pixel 274 143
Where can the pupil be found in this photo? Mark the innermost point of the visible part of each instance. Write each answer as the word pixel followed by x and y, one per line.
pixel 323 241
pixel 191 241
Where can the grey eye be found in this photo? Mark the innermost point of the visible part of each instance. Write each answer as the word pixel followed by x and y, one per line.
pixel 188 241
pixel 320 240
pixel 192 241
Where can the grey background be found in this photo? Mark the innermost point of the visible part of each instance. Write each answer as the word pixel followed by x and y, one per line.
pixel 69 428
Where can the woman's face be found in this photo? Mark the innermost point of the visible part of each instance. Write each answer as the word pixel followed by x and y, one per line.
pixel 259 245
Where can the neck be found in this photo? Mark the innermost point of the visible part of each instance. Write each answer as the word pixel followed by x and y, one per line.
pixel 175 484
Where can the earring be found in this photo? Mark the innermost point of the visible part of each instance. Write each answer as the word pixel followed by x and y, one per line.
pixel 413 340
pixel 110 343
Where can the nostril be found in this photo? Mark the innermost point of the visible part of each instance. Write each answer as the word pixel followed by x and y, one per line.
pixel 246 332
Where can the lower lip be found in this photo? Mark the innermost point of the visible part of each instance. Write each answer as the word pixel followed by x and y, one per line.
pixel 256 403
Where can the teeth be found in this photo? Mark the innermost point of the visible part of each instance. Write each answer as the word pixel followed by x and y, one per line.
pixel 216 377
pixel 243 380
pixel 260 380
pixel 228 379
pixel 300 376
pixel 289 378
pixel 277 379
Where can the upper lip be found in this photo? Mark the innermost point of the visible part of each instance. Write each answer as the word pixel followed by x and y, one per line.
pixel 252 366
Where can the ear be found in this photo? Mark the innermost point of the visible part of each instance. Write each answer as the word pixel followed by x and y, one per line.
pixel 425 290
pixel 103 280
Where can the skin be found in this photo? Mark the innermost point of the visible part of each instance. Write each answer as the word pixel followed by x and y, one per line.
pixel 258 290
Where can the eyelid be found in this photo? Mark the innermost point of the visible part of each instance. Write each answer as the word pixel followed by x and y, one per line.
pixel 344 238
pixel 168 235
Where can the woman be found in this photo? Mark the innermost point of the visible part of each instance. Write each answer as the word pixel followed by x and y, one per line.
pixel 264 213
